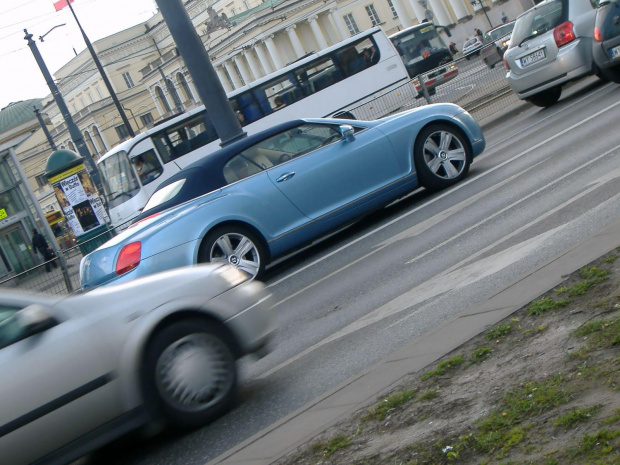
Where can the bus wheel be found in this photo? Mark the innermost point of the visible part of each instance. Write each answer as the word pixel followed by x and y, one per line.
pixel 236 246
pixel 441 155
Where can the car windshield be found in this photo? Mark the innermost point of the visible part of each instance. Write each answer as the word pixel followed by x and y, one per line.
pixel 164 194
pixel 498 33
pixel 119 179
pixel 539 20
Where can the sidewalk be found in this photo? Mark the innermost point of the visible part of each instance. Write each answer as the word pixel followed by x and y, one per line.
pixel 361 391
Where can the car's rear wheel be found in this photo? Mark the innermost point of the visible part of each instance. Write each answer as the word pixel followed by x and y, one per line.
pixel 189 373
pixel 547 97
pixel 236 246
pixel 442 156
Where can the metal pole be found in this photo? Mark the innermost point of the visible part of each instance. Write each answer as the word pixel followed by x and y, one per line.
pixel 45 130
pixel 106 81
pixel 41 217
pixel 199 65
pixel 424 89
pixel 76 135
pixel 485 14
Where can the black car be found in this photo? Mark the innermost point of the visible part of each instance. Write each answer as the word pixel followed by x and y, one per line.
pixel 606 43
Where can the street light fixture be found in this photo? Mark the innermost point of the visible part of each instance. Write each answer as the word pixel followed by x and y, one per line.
pixel 58 25
pixel 474 2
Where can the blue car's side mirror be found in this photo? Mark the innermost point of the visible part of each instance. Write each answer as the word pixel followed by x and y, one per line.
pixel 347 132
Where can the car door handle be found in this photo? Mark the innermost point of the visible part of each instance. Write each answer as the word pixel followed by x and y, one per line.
pixel 286 176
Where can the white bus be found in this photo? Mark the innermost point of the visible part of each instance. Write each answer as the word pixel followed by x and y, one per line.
pixel 326 83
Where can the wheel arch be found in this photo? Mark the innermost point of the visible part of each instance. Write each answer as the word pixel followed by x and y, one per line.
pixel 231 223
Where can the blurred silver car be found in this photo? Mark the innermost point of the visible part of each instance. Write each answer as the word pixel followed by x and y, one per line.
pixel 78 371
pixel 551 44
pixel 495 44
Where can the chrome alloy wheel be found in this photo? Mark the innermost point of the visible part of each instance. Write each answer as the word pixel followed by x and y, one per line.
pixel 237 250
pixel 444 155
pixel 193 373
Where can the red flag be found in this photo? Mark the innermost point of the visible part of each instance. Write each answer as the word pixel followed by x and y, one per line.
pixel 60 4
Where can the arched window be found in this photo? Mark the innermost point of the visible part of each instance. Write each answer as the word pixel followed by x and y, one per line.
pixel 99 139
pixel 162 99
pixel 72 146
pixel 175 95
pixel 89 143
pixel 185 86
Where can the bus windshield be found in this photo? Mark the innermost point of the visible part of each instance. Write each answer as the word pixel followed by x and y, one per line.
pixel 421 49
pixel 120 182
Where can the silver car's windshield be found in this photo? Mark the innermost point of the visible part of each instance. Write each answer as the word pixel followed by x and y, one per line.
pixel 539 20
pixel 119 179
pixel 498 33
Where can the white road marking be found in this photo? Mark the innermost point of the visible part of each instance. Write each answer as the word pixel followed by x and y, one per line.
pixel 461 274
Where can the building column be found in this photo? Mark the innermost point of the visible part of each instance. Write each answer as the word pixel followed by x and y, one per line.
pixel 459 8
pixel 263 58
pixel 442 15
pixel 341 27
pixel 292 35
pixel 418 10
pixel 253 63
pixel 273 52
pixel 401 12
pixel 243 69
pixel 223 79
pixel 316 30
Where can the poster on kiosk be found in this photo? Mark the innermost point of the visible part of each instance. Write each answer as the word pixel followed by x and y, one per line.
pixel 79 200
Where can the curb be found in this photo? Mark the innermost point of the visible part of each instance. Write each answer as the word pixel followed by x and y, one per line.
pixel 301 426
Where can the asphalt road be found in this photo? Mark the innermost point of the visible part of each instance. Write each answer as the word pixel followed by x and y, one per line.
pixel 548 179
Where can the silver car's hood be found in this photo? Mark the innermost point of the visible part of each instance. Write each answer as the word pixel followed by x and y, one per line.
pixel 205 280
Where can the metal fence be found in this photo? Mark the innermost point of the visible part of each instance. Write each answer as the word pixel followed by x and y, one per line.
pixel 477 88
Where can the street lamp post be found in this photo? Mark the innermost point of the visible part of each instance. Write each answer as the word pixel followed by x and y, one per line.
pixel 76 135
pixel 474 2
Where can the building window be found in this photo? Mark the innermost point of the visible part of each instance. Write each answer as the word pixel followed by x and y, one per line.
pixel 392 8
pixel 351 24
pixel 99 92
pixel 128 80
pixel 90 97
pixel 372 14
pixel 41 180
pixel 82 102
pixel 146 119
pixel 232 12
pixel 246 4
pixel 122 131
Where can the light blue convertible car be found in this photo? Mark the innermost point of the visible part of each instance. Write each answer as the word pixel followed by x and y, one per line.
pixel 278 190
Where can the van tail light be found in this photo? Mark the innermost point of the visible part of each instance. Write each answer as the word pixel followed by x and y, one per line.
pixel 506 64
pixel 597 35
pixel 129 258
pixel 563 34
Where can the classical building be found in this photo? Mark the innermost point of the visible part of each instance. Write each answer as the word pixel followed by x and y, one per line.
pixel 245 39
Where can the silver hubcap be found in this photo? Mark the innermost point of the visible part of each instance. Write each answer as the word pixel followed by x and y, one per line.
pixel 193 373
pixel 444 155
pixel 237 250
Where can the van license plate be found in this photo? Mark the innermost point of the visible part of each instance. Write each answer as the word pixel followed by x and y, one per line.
pixel 615 52
pixel 533 58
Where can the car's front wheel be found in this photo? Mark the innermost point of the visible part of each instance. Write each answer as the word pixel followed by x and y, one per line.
pixel 547 97
pixel 442 156
pixel 189 373
pixel 236 246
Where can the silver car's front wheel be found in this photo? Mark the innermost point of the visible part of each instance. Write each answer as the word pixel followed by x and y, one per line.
pixel 190 373
pixel 235 246
pixel 442 156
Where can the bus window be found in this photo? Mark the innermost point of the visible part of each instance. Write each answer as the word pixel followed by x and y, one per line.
pixel 358 56
pixel 246 108
pixel 314 77
pixel 284 88
pixel 120 181
pixel 185 137
pixel 148 166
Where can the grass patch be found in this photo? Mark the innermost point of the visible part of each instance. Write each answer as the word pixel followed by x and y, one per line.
pixel 443 367
pixel 327 448
pixel 599 446
pixel 610 259
pixel 501 330
pixel 576 416
pixel 381 410
pixel 428 395
pixel 599 334
pixel 480 354
pixel 593 274
pixel 545 304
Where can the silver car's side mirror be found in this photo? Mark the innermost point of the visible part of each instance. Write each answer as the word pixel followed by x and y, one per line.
pixel 347 132
pixel 35 319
